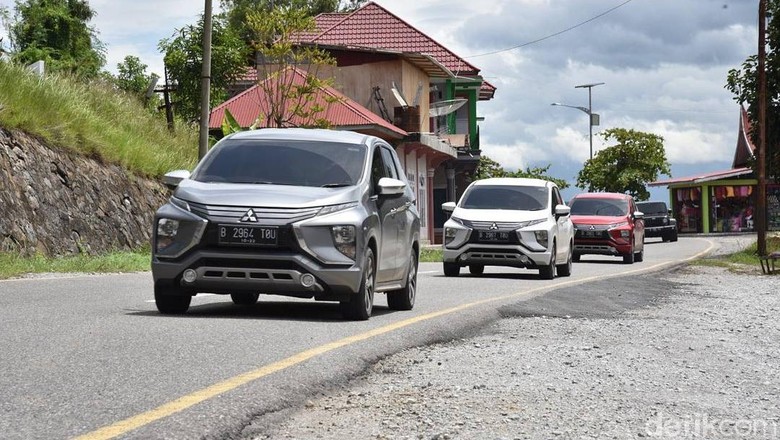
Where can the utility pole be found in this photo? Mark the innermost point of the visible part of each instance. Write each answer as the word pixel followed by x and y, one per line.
pixel 205 83
pixel 762 104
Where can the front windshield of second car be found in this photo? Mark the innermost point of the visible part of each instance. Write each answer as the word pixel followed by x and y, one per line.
pixel 599 206
pixel 281 162
pixel 521 198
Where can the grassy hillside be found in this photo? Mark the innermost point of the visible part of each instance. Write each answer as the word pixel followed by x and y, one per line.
pixel 94 120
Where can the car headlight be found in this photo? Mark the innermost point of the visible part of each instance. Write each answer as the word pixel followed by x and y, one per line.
pixel 337 208
pixel 541 237
pixel 344 238
pixel 617 225
pixel 666 220
pixel 625 233
pixel 167 230
pixel 449 235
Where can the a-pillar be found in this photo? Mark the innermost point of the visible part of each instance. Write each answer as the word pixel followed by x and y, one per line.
pixel 451 196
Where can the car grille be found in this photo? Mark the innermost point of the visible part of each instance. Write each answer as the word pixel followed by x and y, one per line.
pixel 486 226
pixel 265 216
pixel 592 231
pixel 654 221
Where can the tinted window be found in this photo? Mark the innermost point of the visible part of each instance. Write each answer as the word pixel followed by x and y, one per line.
pixel 284 163
pixel 652 208
pixel 524 198
pixel 387 158
pixel 606 207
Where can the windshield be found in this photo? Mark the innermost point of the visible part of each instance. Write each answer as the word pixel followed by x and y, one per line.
pixel 322 164
pixel 606 207
pixel 652 208
pixel 521 198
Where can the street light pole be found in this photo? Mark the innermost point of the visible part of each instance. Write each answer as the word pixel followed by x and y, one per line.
pixel 590 110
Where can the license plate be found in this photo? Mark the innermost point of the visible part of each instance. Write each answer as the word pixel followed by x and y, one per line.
pixel 494 235
pixel 248 235
pixel 591 234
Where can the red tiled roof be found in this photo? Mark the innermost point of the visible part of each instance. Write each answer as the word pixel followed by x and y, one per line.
pixel 344 113
pixel 373 26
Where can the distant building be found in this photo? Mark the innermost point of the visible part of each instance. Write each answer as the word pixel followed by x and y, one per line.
pixel 723 201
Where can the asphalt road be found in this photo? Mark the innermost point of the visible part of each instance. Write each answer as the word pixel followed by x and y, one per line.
pixel 90 356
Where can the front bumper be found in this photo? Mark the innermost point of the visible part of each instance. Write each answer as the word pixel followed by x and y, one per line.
pixel 660 231
pixel 600 247
pixel 257 271
pixel 496 255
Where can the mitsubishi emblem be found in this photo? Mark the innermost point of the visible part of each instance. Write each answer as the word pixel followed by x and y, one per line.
pixel 592 228
pixel 493 227
pixel 249 216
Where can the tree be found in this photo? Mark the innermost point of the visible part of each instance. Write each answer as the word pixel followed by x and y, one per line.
pixel 57 32
pixel 638 158
pixel 287 101
pixel 238 11
pixel 184 60
pixel 743 84
pixel 488 168
pixel 131 76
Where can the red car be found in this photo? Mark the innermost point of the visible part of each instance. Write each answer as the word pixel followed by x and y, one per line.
pixel 607 224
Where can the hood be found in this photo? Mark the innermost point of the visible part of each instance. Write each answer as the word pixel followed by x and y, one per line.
pixel 498 215
pixel 597 219
pixel 280 196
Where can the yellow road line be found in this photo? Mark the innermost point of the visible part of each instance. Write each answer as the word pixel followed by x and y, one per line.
pixel 184 402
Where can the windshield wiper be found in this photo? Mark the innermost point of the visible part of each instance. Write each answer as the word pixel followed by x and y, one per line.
pixel 335 185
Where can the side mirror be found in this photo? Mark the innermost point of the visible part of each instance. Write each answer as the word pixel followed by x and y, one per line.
pixel 562 211
pixel 391 187
pixel 639 215
pixel 448 207
pixel 173 179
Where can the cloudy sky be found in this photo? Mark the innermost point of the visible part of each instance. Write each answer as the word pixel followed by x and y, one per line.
pixel 664 64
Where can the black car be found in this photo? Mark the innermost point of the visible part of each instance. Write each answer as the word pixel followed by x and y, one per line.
pixel 658 220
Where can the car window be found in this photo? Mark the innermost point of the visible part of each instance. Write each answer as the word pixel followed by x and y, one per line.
pixel 557 199
pixel 524 198
pixel 387 159
pixel 321 164
pixel 606 207
pixel 652 208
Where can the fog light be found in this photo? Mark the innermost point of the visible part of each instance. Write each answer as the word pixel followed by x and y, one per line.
pixel 307 280
pixel 190 276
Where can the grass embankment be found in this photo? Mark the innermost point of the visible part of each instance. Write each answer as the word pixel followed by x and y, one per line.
pixel 95 120
pixel 100 122
pixel 745 260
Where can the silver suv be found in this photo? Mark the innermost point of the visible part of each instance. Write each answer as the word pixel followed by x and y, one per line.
pixel 304 213
pixel 509 222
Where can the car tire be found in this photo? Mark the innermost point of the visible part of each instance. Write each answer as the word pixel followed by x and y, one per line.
pixel 171 301
pixel 674 236
pixel 361 304
pixel 575 258
pixel 640 256
pixel 451 270
pixel 548 272
pixel 477 269
pixel 403 299
pixel 564 270
pixel 244 299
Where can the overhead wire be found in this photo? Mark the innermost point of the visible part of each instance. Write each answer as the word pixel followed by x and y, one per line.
pixel 551 35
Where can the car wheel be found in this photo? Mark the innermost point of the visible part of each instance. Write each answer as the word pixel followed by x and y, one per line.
pixel 548 272
pixel 477 269
pixel 451 270
pixel 564 270
pixel 171 301
pixel 244 299
pixel 640 256
pixel 575 258
pixel 674 236
pixel 665 238
pixel 403 299
pixel 629 257
pixel 360 305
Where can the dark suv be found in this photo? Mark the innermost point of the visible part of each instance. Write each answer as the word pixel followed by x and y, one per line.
pixel 658 220
pixel 304 213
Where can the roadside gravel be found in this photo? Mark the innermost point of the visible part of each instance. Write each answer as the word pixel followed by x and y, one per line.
pixel 693 353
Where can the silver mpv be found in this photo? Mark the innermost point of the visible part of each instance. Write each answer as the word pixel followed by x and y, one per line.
pixel 304 213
